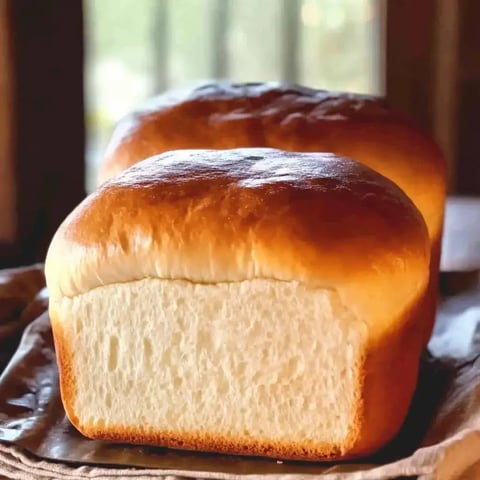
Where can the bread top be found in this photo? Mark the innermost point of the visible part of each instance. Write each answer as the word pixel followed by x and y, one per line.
pixel 211 216
pixel 227 115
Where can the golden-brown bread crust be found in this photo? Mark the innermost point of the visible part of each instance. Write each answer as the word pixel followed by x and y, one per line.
pixel 318 219
pixel 349 223
pixel 288 117
pixel 225 115
pixel 228 216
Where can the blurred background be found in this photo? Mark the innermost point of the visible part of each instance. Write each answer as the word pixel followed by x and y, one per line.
pixel 137 48
pixel 69 70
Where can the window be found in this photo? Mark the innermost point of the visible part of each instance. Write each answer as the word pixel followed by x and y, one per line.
pixel 138 48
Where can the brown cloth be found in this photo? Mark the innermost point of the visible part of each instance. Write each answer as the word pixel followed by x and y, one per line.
pixel 17 289
pixel 440 438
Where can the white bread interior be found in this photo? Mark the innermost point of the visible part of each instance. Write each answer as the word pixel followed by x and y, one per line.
pixel 250 344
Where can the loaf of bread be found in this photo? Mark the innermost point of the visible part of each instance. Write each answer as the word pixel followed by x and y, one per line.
pixel 247 301
pixel 360 127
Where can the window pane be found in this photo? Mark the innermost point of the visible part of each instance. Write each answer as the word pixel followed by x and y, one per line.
pixel 118 70
pixel 189 53
pixel 137 48
pixel 340 49
pixel 254 40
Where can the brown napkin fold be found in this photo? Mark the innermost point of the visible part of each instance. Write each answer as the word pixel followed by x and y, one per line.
pixel 18 287
pixel 440 440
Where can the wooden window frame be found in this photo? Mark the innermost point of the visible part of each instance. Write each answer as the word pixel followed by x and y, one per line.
pixel 432 73
pixel 43 146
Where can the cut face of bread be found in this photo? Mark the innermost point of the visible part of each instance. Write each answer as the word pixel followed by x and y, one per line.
pixel 240 363
pixel 269 310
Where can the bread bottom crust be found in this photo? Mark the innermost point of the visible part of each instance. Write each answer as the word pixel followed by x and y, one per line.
pixel 214 443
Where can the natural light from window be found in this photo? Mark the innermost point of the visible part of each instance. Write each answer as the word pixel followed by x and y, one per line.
pixel 138 48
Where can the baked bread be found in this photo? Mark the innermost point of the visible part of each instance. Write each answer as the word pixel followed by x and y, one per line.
pixel 247 301
pixel 293 118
